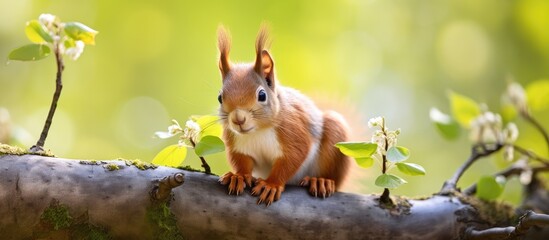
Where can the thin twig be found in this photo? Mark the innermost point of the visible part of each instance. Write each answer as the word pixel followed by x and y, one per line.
pixel 531 155
pixel 205 165
pixel 385 198
pixel 526 221
pixel 39 147
pixel 478 151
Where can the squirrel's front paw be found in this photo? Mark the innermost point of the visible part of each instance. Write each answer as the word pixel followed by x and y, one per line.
pixel 237 182
pixel 268 192
pixel 319 186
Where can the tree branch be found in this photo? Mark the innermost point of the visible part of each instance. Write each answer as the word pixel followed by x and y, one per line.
pixel 478 151
pixel 526 221
pixel 118 201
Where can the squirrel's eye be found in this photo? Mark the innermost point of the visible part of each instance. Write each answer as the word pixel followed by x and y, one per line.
pixel 261 96
pixel 219 99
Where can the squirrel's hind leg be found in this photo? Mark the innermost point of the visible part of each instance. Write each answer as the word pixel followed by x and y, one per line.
pixel 332 164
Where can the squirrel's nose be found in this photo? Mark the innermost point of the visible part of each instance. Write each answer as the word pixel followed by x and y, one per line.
pixel 239 121
pixel 238 117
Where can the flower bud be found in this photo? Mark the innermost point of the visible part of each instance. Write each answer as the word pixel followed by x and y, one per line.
pixel 510 132
pixel 517 95
pixel 509 153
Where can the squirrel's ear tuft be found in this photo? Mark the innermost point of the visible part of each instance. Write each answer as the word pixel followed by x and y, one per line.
pixel 264 64
pixel 224 45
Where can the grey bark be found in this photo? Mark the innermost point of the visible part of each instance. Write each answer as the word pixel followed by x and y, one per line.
pixel 117 201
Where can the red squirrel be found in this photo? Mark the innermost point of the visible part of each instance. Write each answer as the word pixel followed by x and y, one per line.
pixel 274 133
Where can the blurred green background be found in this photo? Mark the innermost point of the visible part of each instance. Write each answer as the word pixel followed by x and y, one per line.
pixel 156 60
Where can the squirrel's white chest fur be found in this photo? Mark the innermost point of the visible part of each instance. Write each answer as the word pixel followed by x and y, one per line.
pixel 259 144
pixel 264 147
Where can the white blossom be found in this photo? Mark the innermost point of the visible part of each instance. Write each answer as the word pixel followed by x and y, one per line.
pixel 392 138
pixel 510 133
pixel 375 122
pixel 526 176
pixel 379 139
pixel 74 52
pixel 192 125
pixel 192 129
pixel 384 138
pixel 490 117
pixel 47 19
pixel 486 128
pixel 181 143
pixel 173 130
pixel 509 153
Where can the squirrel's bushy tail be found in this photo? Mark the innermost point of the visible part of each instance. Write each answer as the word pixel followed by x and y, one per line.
pixel 359 132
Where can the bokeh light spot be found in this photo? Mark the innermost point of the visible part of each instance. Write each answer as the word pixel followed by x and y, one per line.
pixel 464 50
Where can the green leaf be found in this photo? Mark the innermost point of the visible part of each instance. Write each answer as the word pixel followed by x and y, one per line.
pixel 209 126
pixel 365 162
pixel 464 109
pixel 537 93
pixel 488 188
pixel 389 181
pixel 397 154
pixel 31 52
pixel 209 145
pixel 172 156
pixel 357 149
pixel 411 169
pixel 37 33
pixel 79 31
pixel 445 125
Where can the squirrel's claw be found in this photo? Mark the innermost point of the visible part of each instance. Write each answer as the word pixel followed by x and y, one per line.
pixel 237 182
pixel 305 181
pixel 259 184
pixel 319 186
pixel 224 180
pixel 268 192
